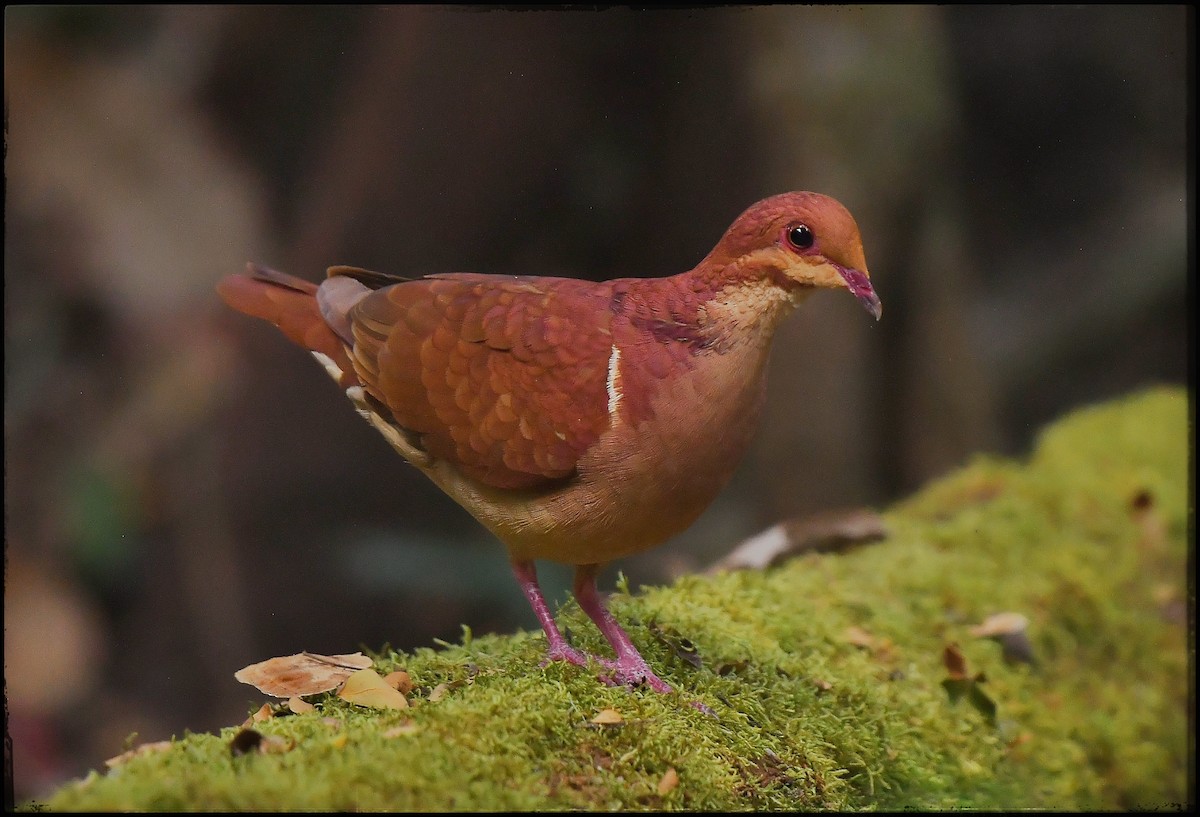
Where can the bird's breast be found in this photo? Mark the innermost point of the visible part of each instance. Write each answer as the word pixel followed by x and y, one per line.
pixel 675 437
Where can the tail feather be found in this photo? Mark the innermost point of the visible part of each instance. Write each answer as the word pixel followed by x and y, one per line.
pixel 366 277
pixel 291 304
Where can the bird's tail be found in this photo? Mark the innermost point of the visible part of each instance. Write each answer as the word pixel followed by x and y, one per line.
pixel 291 304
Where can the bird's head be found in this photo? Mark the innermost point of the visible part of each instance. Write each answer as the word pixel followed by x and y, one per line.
pixel 799 241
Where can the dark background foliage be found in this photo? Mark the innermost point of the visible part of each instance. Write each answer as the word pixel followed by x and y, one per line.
pixel 186 493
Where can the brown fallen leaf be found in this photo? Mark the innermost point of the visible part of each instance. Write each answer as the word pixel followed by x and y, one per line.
pixel 608 717
pixel 399 681
pixel 668 782
pixel 829 532
pixel 680 646
pixel 301 674
pixel 406 728
pixel 1009 629
pixel 1000 624
pixel 960 685
pixel 299 706
pixel 858 637
pixel 367 688
pixel 138 751
pixel 955 662
pixel 275 745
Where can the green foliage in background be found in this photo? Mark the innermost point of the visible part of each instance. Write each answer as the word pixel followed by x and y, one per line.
pixel 825 675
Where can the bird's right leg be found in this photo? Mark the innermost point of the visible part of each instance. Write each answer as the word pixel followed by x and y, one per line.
pixel 557 647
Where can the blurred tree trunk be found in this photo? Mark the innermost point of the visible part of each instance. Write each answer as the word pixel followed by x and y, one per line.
pixel 860 411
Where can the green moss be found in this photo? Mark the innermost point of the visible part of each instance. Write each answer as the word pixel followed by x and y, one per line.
pixel 1089 540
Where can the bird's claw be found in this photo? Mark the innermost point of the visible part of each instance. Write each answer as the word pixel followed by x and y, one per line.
pixel 633 674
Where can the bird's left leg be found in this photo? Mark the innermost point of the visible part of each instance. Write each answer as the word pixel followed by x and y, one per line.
pixel 631 669
pixel 557 647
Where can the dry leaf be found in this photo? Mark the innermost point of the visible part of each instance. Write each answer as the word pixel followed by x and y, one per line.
pixel 438 693
pixel 275 745
pixel 367 688
pixel 830 532
pixel 299 706
pixel 406 728
pixel 858 637
pixel 301 674
pixel 1000 624
pixel 608 716
pixel 144 749
pixel 955 661
pixel 399 681
pixel 1009 630
pixel 681 647
pixel 669 781
pixel 959 684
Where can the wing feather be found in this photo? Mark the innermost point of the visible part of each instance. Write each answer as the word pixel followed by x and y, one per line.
pixel 504 378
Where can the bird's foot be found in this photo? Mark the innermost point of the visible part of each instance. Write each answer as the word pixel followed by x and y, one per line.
pixel 632 671
pixel 635 672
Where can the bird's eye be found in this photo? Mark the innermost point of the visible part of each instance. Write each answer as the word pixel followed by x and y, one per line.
pixel 800 236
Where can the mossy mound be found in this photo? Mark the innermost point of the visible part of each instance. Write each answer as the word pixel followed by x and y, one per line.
pixel 825 675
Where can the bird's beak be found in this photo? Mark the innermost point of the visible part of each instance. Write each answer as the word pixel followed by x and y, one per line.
pixel 858 283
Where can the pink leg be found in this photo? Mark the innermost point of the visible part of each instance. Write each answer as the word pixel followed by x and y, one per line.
pixel 558 648
pixel 631 669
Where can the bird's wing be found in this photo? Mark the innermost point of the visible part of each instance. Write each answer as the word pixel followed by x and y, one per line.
pixel 506 378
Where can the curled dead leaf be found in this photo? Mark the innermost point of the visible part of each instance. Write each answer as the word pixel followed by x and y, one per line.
pixel 731 666
pixel 406 728
pixel 960 685
pixel 679 646
pixel 955 661
pixel 399 681
pixel 299 706
pixel 1000 624
pixel 668 782
pixel 301 674
pixel 367 688
pixel 1010 630
pixel 138 751
pixel 858 637
pixel 607 717
pixel 275 745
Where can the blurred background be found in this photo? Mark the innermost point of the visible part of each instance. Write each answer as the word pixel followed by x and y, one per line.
pixel 187 493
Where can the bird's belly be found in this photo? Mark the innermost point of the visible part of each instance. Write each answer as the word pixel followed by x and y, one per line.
pixel 643 482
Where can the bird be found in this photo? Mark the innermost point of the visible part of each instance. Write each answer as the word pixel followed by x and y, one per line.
pixel 580 422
